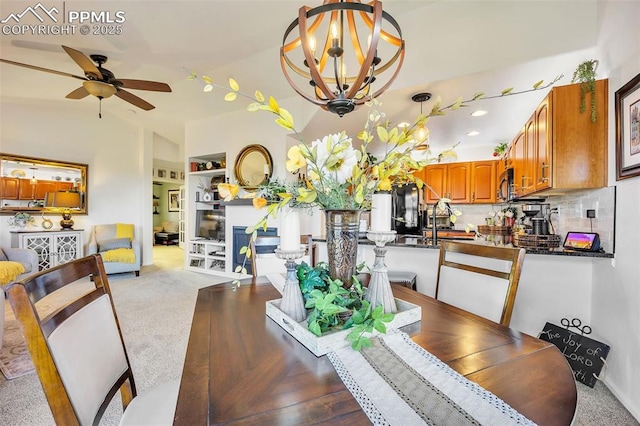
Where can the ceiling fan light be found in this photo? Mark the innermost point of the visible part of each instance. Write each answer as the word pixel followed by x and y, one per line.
pixel 99 89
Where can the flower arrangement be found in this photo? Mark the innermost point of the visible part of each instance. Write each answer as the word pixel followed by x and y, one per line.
pixel 340 175
pixel 21 219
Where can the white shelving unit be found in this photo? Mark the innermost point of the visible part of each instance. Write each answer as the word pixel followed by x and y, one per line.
pixel 206 247
pixel 207 256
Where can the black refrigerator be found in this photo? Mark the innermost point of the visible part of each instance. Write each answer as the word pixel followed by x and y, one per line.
pixel 406 209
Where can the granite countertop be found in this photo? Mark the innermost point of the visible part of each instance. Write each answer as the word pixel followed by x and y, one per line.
pixel 417 241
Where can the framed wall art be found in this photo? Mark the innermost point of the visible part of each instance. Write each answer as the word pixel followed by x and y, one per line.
pixel 174 200
pixel 627 100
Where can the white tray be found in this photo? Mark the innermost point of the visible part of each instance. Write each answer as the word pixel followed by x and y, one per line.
pixel 408 313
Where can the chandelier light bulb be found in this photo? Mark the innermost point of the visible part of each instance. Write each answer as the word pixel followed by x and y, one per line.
pixel 312 44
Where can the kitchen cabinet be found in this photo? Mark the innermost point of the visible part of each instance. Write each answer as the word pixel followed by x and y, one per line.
pixel 53 247
pixel 450 181
pixel 542 150
pixel 483 181
pixel 462 183
pixel 435 178
pixel 37 191
pixel 9 188
pixel 25 189
pixel 44 186
pixel 559 148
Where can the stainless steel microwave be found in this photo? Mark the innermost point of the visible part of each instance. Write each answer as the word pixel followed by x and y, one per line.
pixel 506 188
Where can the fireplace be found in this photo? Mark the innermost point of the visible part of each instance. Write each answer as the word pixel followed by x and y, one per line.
pixel 240 239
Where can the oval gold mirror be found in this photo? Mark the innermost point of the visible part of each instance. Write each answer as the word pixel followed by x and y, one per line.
pixel 253 166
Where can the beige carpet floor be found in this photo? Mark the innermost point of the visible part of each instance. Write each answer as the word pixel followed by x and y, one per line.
pixel 155 312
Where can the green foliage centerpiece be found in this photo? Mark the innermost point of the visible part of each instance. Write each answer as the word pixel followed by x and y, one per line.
pixel 334 307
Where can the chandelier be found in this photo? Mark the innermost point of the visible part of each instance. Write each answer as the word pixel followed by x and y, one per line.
pixel 339 75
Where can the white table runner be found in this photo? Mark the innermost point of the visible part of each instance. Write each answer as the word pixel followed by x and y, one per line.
pixel 397 382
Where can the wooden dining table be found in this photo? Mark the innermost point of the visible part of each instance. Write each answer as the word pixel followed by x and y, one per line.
pixel 243 368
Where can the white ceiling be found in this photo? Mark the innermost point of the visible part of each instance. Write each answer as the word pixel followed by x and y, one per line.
pixel 453 48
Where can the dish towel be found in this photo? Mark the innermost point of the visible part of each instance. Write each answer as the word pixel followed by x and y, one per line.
pixel 397 382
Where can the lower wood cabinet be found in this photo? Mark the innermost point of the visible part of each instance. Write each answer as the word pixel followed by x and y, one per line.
pixel 53 247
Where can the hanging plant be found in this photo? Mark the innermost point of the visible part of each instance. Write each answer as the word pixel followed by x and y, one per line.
pixel 585 74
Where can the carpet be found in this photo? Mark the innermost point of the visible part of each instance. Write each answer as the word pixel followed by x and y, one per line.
pixel 15 360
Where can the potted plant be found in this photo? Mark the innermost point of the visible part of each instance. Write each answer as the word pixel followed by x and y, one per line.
pixel 332 307
pixel 21 220
pixel 510 215
pixel 585 74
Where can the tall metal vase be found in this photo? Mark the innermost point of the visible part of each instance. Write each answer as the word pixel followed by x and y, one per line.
pixel 342 243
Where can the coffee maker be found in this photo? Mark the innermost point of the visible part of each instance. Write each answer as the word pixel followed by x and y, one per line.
pixel 536 219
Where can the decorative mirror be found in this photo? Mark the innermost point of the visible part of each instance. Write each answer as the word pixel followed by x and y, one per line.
pixel 30 185
pixel 253 166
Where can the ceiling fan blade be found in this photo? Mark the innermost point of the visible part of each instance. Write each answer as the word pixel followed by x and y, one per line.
pixel 83 60
pixel 133 99
pixel 33 67
pixel 79 93
pixel 144 85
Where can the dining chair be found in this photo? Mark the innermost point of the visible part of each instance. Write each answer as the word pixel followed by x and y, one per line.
pixel 263 256
pixel 479 278
pixel 78 350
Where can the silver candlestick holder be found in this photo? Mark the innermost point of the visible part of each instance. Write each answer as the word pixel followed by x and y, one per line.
pixel 292 303
pixel 379 290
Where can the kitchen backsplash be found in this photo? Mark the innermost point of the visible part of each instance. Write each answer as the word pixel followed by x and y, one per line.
pixel 571 216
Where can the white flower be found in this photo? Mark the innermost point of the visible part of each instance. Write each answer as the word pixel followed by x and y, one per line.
pixel 508 213
pixel 335 158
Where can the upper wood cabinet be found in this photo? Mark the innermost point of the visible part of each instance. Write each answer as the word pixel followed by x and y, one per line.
pixel 26 189
pixel 435 176
pixel 44 186
pixel 560 148
pixel 8 188
pixel 23 189
pixel 483 181
pixel 462 183
pixel 542 147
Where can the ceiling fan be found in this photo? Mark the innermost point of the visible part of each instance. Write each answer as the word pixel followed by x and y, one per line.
pixel 100 82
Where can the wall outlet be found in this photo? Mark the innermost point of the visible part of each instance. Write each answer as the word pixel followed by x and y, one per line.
pixel 591 213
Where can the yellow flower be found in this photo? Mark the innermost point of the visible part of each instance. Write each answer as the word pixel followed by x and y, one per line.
pixel 296 160
pixel 259 203
pixel 228 191
pixel 384 184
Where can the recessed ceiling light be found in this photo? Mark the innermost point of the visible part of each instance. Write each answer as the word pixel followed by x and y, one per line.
pixel 478 113
pixel 473 133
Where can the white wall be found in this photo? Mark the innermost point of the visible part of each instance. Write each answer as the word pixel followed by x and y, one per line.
pixel 118 154
pixel 616 290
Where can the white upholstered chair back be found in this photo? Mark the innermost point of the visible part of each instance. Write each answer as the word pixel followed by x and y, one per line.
pixel 480 279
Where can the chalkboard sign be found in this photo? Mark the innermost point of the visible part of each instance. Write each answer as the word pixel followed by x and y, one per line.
pixel 586 356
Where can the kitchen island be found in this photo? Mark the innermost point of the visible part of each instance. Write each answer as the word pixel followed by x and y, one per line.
pixel 554 284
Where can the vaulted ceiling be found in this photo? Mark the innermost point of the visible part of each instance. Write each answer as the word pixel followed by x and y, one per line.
pixel 453 49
